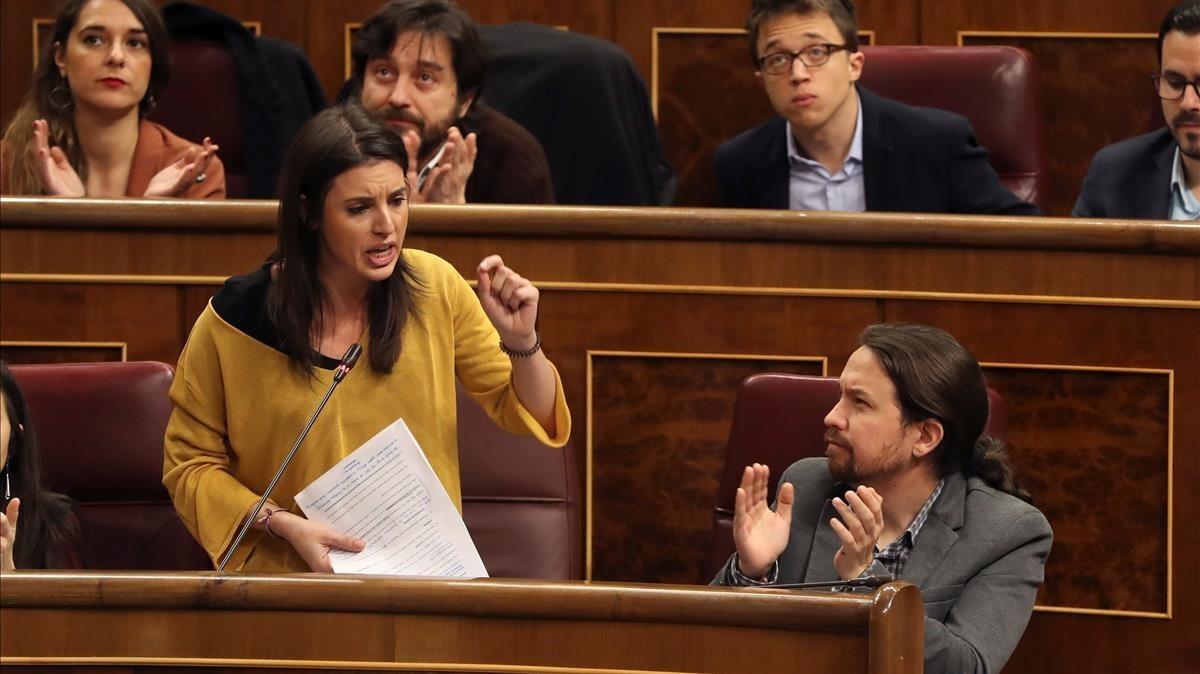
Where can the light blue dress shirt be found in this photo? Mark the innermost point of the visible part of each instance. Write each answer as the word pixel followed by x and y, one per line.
pixel 1184 204
pixel 812 187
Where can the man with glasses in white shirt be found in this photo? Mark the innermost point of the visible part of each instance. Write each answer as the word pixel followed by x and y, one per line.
pixel 836 146
pixel 1157 175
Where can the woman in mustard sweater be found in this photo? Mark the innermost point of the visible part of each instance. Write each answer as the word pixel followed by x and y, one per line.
pixel 262 354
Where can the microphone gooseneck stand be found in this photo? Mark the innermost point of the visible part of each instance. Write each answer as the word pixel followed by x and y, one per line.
pixel 343 368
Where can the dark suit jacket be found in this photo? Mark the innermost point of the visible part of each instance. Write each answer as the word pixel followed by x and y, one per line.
pixel 915 160
pixel 585 101
pixel 1130 179
pixel 978 562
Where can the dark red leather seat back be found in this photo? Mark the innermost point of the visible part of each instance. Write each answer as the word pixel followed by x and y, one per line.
pixel 100 432
pixel 203 101
pixel 779 419
pixel 521 499
pixel 995 87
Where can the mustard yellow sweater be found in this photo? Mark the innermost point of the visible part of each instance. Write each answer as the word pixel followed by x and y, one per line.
pixel 239 406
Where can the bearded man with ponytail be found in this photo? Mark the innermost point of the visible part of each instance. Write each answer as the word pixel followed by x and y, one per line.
pixel 909 488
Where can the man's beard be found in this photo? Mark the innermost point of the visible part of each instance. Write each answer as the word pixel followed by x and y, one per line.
pixel 1189 141
pixel 843 463
pixel 432 135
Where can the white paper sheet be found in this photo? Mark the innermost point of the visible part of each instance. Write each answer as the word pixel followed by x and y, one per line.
pixel 387 494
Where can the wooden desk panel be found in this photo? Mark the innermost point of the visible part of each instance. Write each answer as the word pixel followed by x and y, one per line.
pixel 1052 257
pixel 359 622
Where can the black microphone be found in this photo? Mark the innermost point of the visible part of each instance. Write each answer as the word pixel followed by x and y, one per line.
pixel 864 581
pixel 339 374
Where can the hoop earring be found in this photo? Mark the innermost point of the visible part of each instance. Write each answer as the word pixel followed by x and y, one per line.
pixel 58 104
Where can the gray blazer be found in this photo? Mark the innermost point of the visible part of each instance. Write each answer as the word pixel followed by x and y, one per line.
pixel 978 562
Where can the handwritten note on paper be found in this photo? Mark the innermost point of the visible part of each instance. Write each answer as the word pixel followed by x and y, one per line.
pixel 387 494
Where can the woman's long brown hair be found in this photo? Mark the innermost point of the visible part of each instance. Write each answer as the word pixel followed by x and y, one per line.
pixel 331 143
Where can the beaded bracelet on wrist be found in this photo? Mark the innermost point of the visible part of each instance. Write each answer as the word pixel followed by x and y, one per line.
pixel 513 353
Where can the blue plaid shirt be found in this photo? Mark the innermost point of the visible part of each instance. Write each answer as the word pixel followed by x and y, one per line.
pixel 892 558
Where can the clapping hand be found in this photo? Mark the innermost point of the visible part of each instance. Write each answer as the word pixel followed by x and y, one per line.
pixel 446 183
pixel 58 177
pixel 176 179
pixel 861 524
pixel 760 534
pixel 510 302
pixel 8 534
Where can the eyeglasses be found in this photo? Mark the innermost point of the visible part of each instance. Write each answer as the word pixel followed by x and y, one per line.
pixel 1171 88
pixel 780 62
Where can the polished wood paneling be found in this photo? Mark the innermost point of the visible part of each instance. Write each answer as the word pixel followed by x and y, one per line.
pixel 635 22
pixel 941 20
pixel 694 114
pixel 16 50
pixel 1074 433
pixel 146 317
pixel 1073 70
pixel 659 423
pixel 23 353
pixel 1071 260
pixel 203 620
